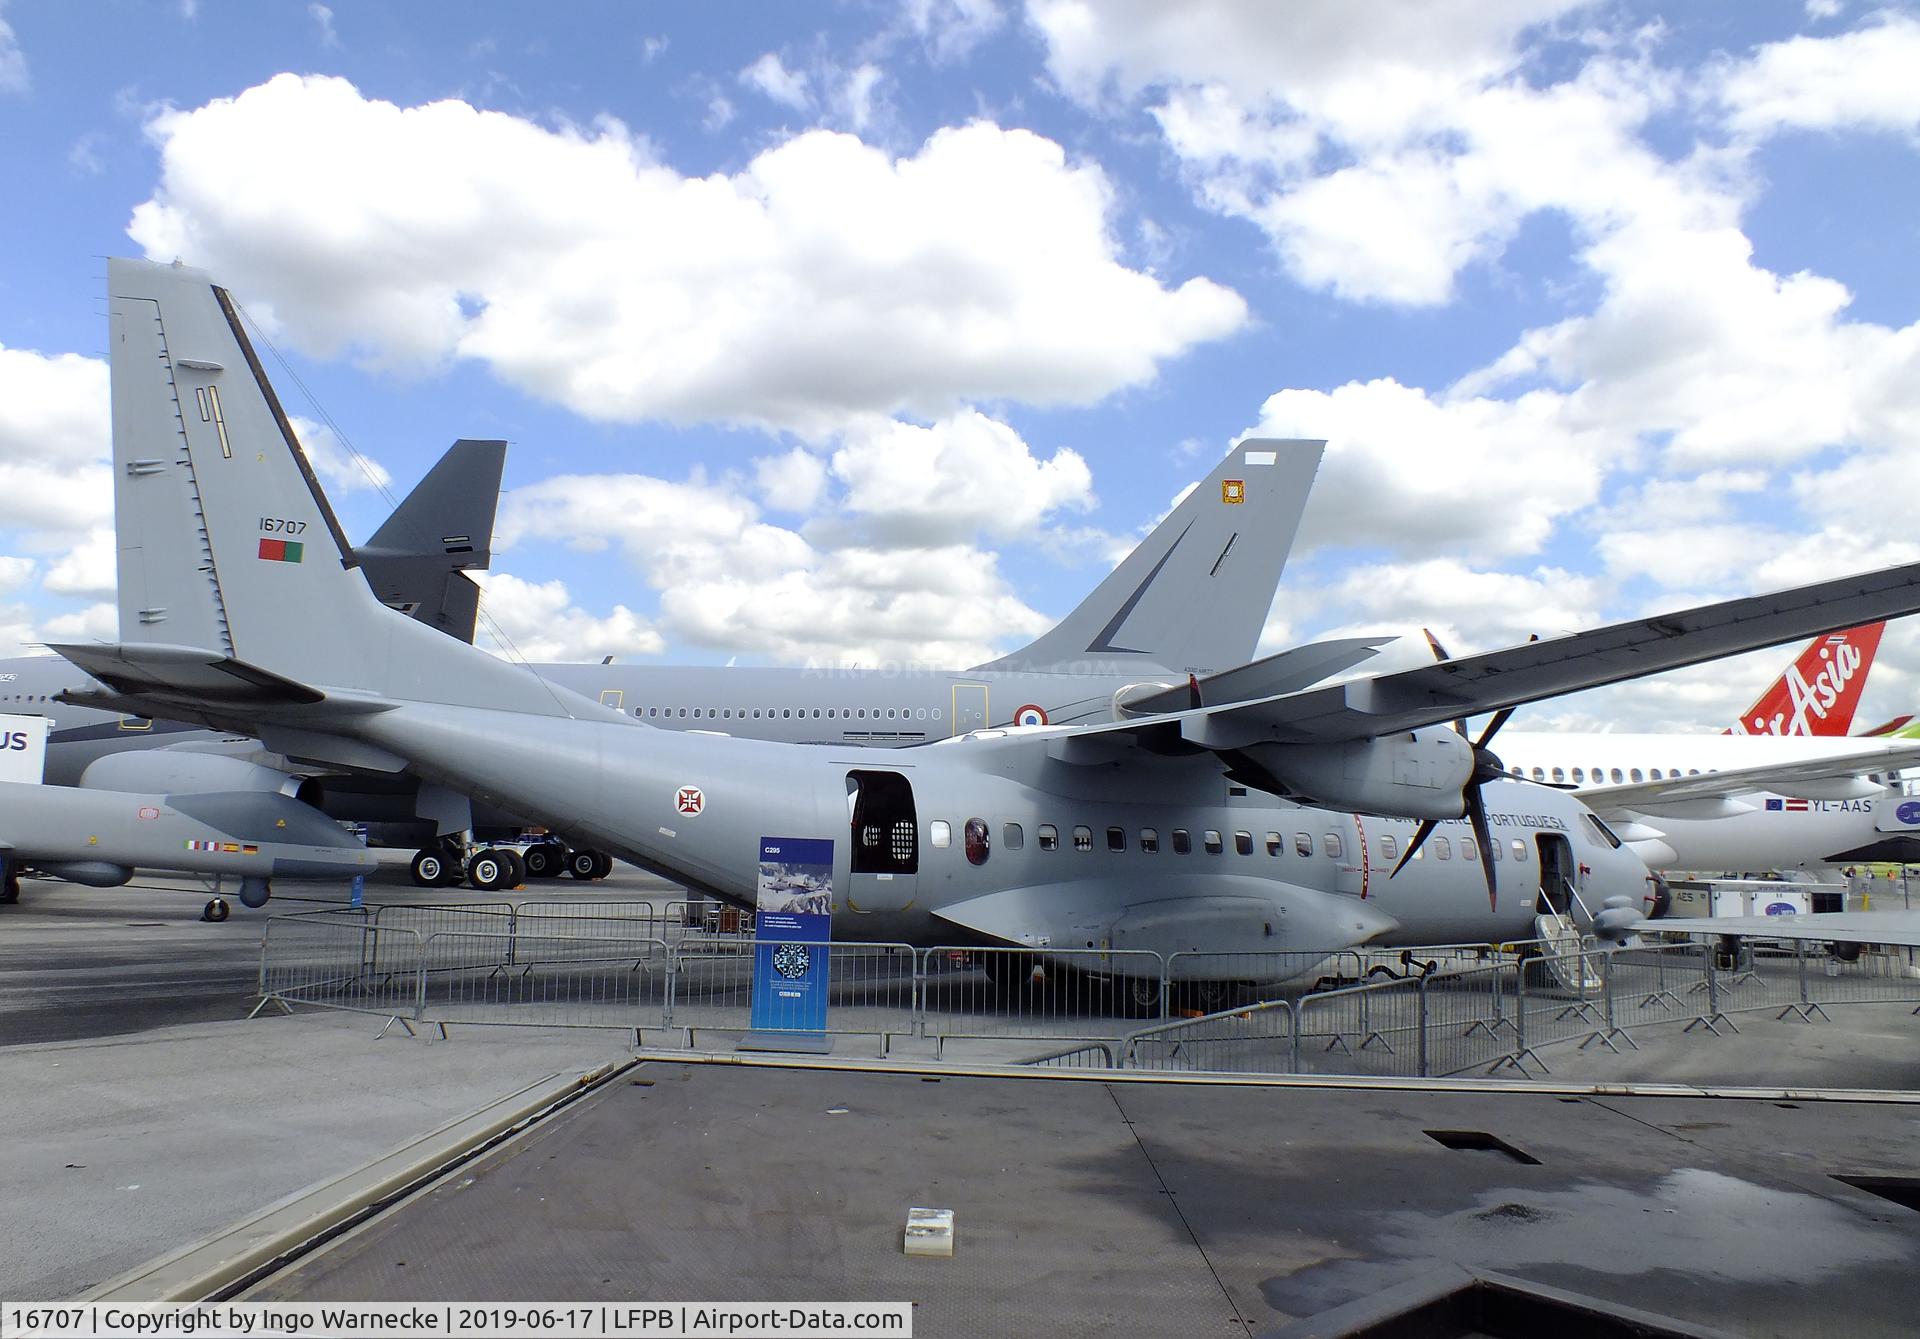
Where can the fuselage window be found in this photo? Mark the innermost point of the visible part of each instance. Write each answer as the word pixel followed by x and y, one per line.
pixel 1578 776
pixel 1635 774
pixel 1519 851
pixel 1083 839
pixel 1442 849
pixel 1014 836
pixel 1150 841
pixel 1389 848
pixel 1116 839
pixel 1182 841
pixel 1243 843
pixel 978 844
pixel 936 713
pixel 1558 775
pixel 1494 848
pixel 1335 847
pixel 1693 771
pixel 1654 773
pixel 1466 849
pixel 1276 844
pixel 889 713
pixel 1618 776
pixel 939 834
pixel 1211 840
pixel 1049 837
pixel 683 713
pixel 1539 774
pixel 786 713
pixel 1302 844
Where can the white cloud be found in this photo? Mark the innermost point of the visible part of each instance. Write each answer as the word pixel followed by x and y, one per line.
pixel 538 622
pixel 14 77
pixel 1824 9
pixel 824 281
pixel 1865 79
pixel 90 569
pixel 951 29
pixel 1467 609
pixel 795 482
pixel 887 571
pixel 323 19
pixel 772 78
pixel 856 96
pixel 15 573
pixel 54 439
pixel 340 468
pixel 962 476
pixel 95 623
pixel 1414 472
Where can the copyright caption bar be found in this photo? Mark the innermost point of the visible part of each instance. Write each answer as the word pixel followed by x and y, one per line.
pixel 463 1320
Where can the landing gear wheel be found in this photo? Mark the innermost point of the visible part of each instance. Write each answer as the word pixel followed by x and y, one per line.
pixel 545 860
pixel 10 889
pixel 516 867
pixel 489 870
pixel 584 865
pixel 429 868
pixel 1209 997
pixel 602 864
pixel 216 910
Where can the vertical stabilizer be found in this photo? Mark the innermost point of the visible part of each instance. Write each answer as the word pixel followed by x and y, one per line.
pixel 227 544
pixel 1193 597
pixel 1820 691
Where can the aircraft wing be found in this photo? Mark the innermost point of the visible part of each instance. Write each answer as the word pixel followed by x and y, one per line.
pixel 1840 927
pixel 1780 778
pixel 1367 708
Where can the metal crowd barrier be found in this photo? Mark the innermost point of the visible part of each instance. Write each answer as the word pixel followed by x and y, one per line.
pixel 1438 1010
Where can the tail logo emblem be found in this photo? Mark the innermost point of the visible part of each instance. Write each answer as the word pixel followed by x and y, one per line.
pixel 689 800
pixel 1233 491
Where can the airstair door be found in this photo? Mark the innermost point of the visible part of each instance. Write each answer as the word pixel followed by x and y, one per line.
pixel 885 843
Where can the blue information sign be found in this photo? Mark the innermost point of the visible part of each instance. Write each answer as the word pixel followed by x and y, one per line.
pixel 793 922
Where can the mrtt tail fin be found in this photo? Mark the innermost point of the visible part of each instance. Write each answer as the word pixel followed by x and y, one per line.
pixel 227 547
pixel 1194 595
pixel 1819 692
pixel 418 561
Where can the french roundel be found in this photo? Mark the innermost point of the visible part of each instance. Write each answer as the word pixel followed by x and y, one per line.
pixel 1030 715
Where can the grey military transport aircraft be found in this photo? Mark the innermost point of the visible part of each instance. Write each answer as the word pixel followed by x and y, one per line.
pixel 1191 598
pixel 1127 834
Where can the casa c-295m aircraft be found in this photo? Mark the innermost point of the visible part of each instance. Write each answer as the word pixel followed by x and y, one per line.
pixel 1128 834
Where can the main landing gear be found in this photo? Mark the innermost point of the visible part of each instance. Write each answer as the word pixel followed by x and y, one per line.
pixel 492 868
pixel 9 883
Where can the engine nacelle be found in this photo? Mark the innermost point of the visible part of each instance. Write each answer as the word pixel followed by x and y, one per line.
pixel 170 772
pixel 1415 774
pixel 1129 701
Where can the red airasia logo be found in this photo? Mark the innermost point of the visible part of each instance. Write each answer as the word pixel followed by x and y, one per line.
pixel 689 800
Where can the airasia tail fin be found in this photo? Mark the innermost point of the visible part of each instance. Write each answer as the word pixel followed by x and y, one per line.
pixel 1819 692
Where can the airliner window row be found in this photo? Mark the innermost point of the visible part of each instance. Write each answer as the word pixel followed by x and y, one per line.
pixel 1014 837
pixel 1602 775
pixel 788 713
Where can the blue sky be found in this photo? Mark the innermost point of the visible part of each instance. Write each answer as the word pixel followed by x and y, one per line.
pixel 870 332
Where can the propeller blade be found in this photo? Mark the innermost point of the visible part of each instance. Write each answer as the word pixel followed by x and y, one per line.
pixel 1500 718
pixel 1193 692
pixel 1427 825
pixel 1483 834
pixel 1439 651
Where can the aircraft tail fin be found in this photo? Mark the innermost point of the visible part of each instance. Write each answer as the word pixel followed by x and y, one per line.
pixel 417 562
pixel 1898 723
pixel 1819 692
pixel 1193 595
pixel 227 544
